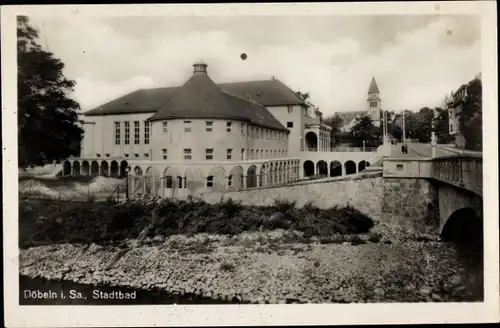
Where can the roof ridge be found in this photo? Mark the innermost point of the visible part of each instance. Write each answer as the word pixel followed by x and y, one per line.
pixel 294 93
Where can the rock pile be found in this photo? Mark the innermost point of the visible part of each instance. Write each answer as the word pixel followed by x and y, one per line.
pixel 256 269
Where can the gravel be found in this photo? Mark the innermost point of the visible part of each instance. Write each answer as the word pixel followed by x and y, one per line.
pixel 257 268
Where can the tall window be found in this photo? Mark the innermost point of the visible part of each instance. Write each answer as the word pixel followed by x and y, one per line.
pixel 168 181
pixel 251 155
pixel 181 185
pixel 187 126
pixel 209 154
pixel 127 133
pixel 137 132
pixel 164 153
pixel 229 154
pixel 209 126
pixel 242 128
pixel 117 133
pixel 229 126
pixel 187 153
pixel 146 132
pixel 210 181
pixel 262 153
pixel 290 109
pixel 165 126
pixel 243 154
pixel 230 181
pixel 252 132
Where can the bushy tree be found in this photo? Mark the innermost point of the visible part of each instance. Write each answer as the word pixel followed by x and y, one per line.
pixel 335 122
pixel 470 118
pixel 364 130
pixel 48 126
pixel 423 124
pixel 441 125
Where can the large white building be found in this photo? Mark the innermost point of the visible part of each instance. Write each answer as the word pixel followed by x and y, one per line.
pixel 204 136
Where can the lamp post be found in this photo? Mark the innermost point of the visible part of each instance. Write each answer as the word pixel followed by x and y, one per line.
pixel 127 170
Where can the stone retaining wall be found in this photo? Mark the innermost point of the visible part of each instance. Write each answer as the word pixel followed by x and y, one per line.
pixel 362 191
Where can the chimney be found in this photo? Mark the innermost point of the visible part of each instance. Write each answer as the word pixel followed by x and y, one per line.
pixel 200 68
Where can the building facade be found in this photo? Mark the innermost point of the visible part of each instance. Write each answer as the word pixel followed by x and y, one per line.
pixel 455 107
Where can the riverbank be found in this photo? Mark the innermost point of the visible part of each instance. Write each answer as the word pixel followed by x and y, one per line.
pixel 264 268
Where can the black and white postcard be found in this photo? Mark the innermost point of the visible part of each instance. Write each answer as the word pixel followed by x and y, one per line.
pixel 250 164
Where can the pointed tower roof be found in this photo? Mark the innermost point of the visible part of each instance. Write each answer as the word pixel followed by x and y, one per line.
pixel 201 98
pixel 373 87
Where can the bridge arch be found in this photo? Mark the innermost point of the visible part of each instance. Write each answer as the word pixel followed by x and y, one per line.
pixel 308 168
pixel 335 169
pixel 464 226
pixel 350 167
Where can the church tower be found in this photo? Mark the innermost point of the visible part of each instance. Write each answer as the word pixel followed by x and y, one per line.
pixel 373 102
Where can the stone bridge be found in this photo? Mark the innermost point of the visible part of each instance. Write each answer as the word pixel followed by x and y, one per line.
pixel 436 195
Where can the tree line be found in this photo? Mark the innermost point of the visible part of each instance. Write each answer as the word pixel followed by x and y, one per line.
pixel 419 125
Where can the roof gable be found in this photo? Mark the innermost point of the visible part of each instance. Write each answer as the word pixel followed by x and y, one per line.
pixel 373 87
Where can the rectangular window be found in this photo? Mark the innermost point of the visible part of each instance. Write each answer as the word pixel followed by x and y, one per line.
pixel 187 126
pixel 290 109
pixel 137 132
pixel 117 133
pixel 243 154
pixel 136 155
pixel 146 155
pixel 209 126
pixel 242 128
pixel 180 185
pixel 126 155
pixel 210 181
pixel 229 154
pixel 229 126
pixel 289 124
pixel 165 126
pixel 230 181
pixel 169 181
pixel 261 153
pixel 146 132
pixel 127 133
pixel 187 153
pixel 252 132
pixel 252 154
pixel 275 153
pixel 209 154
pixel 267 152
pixel 164 153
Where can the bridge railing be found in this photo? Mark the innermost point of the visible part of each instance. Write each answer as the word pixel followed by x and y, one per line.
pixel 461 171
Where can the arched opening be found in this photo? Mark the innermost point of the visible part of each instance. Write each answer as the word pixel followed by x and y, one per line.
pixel 104 169
pixel 311 141
pixel 67 168
pixel 218 175
pixel 123 168
pixel 85 168
pixel 236 175
pixel 350 167
pixel 335 169
pixel 114 169
pixel 76 168
pixel 152 181
pixel 137 171
pixel 464 226
pixel 322 168
pixel 94 168
pixel 361 166
pixel 172 182
pixel 308 168
pixel 195 180
pixel 252 177
pixel 262 175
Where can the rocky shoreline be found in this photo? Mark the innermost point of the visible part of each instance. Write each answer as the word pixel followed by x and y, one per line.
pixel 263 267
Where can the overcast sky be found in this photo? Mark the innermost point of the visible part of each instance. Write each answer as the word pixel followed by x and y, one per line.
pixel 416 60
